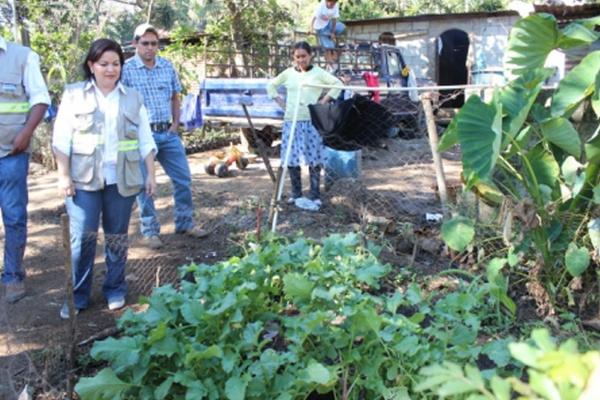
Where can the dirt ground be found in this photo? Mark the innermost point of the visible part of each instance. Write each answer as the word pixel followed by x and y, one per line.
pixel 398 185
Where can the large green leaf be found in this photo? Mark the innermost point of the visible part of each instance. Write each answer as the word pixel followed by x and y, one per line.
pixel 458 232
pixel 577 259
pixel 560 132
pixel 530 41
pixel 543 339
pixel 543 385
pixel 297 287
pixel 449 137
pixel 544 166
pixel 573 174
pixel 104 386
pixel 235 388
pixel 195 390
pixel 596 96
pixel 518 97
pixel 578 84
pixel 594 233
pixel 162 391
pixel 500 388
pixel 121 353
pixel 576 34
pixel 592 148
pixel 479 128
pixel 317 373
pixel 590 22
pixel 526 354
pixel 489 192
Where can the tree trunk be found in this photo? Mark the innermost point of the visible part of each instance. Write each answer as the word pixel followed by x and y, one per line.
pixel 238 58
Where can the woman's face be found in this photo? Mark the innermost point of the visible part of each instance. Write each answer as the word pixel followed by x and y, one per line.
pixel 302 59
pixel 107 69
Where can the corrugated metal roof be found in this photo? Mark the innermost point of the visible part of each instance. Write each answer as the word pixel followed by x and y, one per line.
pixel 562 13
pixel 430 17
pixel 570 12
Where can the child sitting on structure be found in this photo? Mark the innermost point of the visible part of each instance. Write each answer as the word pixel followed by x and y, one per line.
pixel 326 25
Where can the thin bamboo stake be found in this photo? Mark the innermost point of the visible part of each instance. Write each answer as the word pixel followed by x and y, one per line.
pixel 433 142
pixel 66 237
pixel 288 152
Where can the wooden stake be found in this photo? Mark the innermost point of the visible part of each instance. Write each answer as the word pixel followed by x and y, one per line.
pixel 261 147
pixel 273 206
pixel 66 237
pixel 433 143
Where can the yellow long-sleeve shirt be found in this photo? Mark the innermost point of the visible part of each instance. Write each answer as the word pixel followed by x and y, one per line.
pixel 291 78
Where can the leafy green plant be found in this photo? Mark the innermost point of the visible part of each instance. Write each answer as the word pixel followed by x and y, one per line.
pixel 530 155
pixel 289 319
pixel 554 372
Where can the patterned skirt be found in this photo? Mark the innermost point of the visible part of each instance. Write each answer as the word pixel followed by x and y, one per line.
pixel 307 145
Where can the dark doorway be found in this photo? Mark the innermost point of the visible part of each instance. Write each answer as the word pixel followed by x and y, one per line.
pixel 453 46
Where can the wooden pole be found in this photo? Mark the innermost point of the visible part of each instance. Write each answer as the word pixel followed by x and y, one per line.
pixel 261 147
pixel 273 206
pixel 433 142
pixel 66 237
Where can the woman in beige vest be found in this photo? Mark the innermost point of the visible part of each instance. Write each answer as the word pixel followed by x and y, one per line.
pixel 101 136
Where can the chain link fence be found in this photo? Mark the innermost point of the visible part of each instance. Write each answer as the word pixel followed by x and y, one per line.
pixel 42 355
pixel 380 163
pixel 379 177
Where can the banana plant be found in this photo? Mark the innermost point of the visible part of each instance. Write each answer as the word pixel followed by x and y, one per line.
pixel 521 147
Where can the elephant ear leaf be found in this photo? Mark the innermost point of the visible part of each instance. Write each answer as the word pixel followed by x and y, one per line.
pixel 449 138
pixel 518 97
pixel 563 134
pixel 576 34
pixel 521 55
pixel 479 127
pixel 577 85
pixel 596 96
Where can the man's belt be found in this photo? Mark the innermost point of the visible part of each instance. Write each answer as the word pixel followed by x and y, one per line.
pixel 160 126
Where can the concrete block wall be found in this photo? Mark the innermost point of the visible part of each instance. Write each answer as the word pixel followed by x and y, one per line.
pixel 489 36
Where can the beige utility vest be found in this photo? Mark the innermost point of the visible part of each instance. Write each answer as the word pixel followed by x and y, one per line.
pixel 87 146
pixel 14 105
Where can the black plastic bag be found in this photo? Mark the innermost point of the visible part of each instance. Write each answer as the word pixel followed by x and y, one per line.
pixel 351 124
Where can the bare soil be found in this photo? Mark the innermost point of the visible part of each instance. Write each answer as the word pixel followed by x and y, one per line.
pixel 398 186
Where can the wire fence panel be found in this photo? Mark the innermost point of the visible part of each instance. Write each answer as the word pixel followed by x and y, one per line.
pixel 378 177
pixel 43 355
pixel 378 160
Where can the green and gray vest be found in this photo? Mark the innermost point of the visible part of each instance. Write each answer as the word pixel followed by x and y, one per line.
pixel 87 144
pixel 14 105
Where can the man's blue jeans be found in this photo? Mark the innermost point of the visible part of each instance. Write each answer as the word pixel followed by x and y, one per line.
pixel 13 204
pixel 85 210
pixel 171 155
pixel 324 34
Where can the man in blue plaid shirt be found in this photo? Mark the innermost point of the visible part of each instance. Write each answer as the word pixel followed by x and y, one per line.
pixel 155 78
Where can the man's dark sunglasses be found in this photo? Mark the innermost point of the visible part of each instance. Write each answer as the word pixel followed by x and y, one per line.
pixel 149 43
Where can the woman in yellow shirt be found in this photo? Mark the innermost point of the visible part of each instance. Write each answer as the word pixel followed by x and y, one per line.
pixel 307 144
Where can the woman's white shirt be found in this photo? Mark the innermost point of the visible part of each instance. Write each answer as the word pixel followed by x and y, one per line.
pixel 109 106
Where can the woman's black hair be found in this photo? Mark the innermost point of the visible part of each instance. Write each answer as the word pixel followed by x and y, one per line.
pixel 97 48
pixel 303 46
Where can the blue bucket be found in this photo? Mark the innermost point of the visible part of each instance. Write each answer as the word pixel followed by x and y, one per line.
pixel 341 164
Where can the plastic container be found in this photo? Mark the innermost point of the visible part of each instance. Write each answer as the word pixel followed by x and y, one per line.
pixel 489 76
pixel 341 164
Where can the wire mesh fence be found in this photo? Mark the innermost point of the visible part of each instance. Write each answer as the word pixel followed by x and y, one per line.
pixel 379 161
pixel 42 355
pixel 378 176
